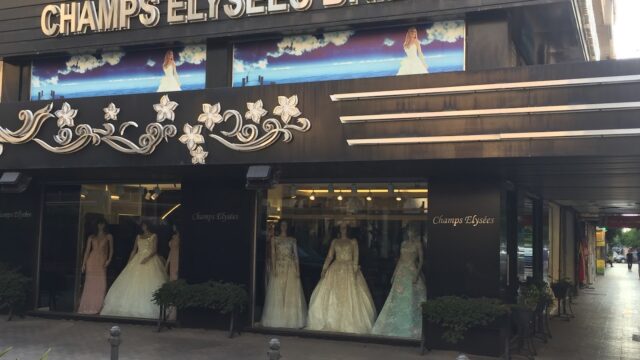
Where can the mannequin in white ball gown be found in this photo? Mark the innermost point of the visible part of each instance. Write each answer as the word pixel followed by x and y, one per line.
pixel 342 302
pixel 170 81
pixel 131 295
pixel 415 62
pixel 284 304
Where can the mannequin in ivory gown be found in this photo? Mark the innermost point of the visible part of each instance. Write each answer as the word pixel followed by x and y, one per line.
pixel 170 81
pixel 401 315
pixel 132 292
pixel 342 302
pixel 415 62
pixel 284 304
pixel 97 256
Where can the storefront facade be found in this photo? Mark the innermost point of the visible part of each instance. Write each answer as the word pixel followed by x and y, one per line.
pixel 379 125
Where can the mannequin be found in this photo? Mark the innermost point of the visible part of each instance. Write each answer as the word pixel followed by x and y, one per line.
pixel 401 315
pixel 342 302
pixel 131 294
pixel 284 304
pixel 97 257
pixel 173 260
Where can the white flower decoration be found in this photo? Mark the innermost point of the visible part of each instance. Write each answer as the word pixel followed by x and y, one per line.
pixel 210 115
pixel 111 112
pixel 66 116
pixel 165 109
pixel 288 108
pixel 256 112
pixel 192 136
pixel 198 155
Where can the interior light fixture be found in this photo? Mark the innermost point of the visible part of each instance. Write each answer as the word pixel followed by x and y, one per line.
pixel 313 196
pixel 156 193
pixel 340 198
pixel 164 217
pixel 147 194
pixel 294 190
pixel 398 198
pixel 369 197
pixel 115 197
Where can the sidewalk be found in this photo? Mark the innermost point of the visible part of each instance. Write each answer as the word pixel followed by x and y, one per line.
pixel 84 340
pixel 606 319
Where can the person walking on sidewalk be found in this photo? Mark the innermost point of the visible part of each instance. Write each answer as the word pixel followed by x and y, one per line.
pixel 629 259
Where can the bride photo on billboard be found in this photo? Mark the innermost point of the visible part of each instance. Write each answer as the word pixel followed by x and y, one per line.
pixel 414 63
pixel 170 81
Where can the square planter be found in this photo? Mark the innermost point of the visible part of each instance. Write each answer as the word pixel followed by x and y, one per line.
pixel 490 340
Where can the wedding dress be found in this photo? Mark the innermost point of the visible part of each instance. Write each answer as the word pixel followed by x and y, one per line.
pixel 95 281
pixel 284 304
pixel 414 63
pixel 342 302
pixel 169 81
pixel 131 294
pixel 401 315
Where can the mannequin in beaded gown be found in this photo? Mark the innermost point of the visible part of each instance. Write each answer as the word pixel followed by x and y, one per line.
pixel 401 315
pixel 284 304
pixel 342 302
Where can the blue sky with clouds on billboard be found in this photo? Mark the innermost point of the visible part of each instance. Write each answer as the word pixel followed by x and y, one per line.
pixel 347 54
pixel 115 72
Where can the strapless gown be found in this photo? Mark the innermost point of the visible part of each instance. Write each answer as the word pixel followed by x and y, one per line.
pixel 132 293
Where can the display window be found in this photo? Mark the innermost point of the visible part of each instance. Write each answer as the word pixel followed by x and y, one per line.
pixel 342 258
pixel 105 248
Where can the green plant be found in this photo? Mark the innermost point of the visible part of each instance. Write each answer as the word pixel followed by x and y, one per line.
pixel 534 295
pixel 13 289
pixel 220 296
pixel 457 315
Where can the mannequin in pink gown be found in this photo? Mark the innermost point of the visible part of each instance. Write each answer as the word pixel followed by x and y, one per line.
pixel 173 260
pixel 97 256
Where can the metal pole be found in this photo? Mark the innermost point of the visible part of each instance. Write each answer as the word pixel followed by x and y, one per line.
pixel 274 350
pixel 114 340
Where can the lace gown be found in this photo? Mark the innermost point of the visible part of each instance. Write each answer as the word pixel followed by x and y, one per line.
pixel 132 292
pixel 95 282
pixel 401 315
pixel 342 302
pixel 412 64
pixel 284 304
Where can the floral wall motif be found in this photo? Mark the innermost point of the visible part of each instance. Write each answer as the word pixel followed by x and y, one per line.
pixel 251 133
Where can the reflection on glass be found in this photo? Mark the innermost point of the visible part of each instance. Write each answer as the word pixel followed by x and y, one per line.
pixel 349 240
pixel 525 240
pixel 89 232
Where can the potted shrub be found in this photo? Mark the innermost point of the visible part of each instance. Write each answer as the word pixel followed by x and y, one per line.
pixel 477 325
pixel 225 298
pixel 13 289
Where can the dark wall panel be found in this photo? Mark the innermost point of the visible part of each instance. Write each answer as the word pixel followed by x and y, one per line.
pixel 463 259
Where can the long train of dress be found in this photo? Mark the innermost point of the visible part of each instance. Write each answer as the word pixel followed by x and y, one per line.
pixel 132 292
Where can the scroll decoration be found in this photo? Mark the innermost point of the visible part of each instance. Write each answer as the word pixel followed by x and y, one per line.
pixel 72 138
pixel 245 137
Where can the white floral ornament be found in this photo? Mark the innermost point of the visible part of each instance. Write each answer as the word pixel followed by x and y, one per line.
pixel 165 109
pixel 198 156
pixel 210 115
pixel 288 108
pixel 111 112
pixel 256 111
pixel 66 116
pixel 192 136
